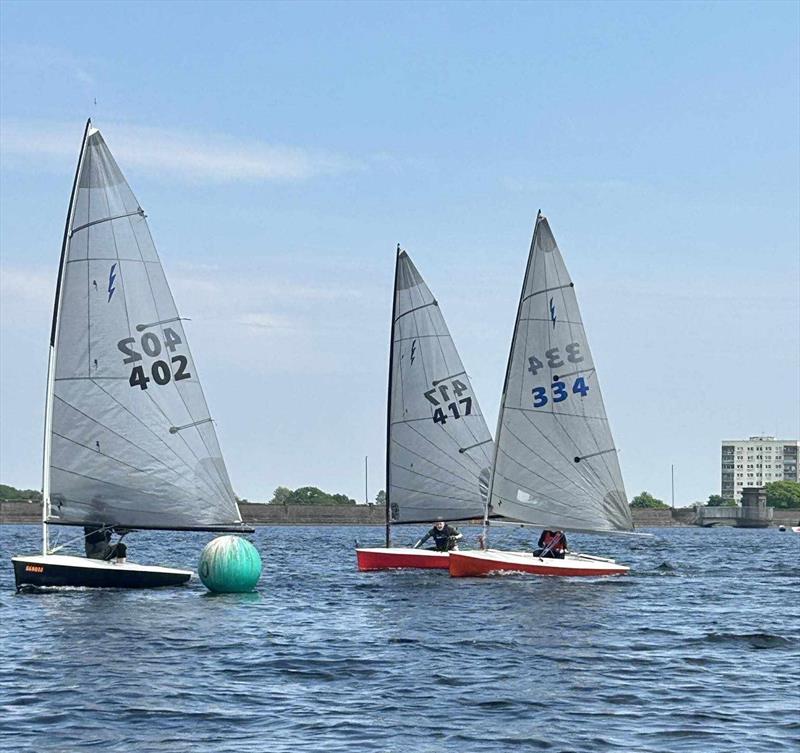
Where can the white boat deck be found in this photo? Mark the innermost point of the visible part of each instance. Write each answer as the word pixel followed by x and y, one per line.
pixel 66 560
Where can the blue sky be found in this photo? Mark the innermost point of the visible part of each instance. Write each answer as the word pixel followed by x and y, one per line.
pixel 282 150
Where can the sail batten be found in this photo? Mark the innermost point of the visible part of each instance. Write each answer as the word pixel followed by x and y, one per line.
pixel 438 445
pixel 139 211
pixel 123 377
pixel 555 463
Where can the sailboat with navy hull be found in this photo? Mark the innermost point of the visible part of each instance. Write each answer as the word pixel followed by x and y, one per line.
pixel 555 464
pixel 128 441
pixel 438 447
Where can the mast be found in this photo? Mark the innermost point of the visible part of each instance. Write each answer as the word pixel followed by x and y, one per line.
pixel 48 410
pixel 389 399
pixel 505 382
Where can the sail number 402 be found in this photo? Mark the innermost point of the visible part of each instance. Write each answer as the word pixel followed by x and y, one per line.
pixel 161 372
pixel 440 395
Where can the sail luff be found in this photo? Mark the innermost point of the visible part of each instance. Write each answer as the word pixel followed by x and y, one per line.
pixel 501 411
pixel 68 232
pixel 388 537
pixel 48 409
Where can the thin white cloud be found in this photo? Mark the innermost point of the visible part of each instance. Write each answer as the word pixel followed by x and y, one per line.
pixel 184 154
pixel 262 320
pixel 265 324
pixel 32 60
pixel 26 298
pixel 209 289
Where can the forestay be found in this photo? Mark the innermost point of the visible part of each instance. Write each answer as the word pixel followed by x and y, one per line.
pixel 439 447
pixel 556 465
pixel 131 438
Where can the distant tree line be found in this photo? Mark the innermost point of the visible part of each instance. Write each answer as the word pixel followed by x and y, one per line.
pixel 11 493
pixel 716 500
pixel 782 495
pixel 308 495
pixel 645 500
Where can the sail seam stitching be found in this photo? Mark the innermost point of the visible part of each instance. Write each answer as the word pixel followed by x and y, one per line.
pixel 148 428
pixel 117 434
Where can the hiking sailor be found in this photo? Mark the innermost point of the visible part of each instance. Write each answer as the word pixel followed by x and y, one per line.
pixel 99 547
pixel 445 537
pixel 552 544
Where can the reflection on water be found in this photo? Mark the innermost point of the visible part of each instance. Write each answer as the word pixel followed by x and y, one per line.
pixel 695 651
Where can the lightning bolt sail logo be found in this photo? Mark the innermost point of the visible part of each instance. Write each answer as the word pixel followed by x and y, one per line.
pixel 111 279
pixel 413 349
pixel 553 313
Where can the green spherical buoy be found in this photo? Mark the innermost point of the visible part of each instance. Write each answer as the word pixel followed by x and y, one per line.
pixel 229 564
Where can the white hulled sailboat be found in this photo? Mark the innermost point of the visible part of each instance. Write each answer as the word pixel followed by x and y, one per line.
pixel 128 442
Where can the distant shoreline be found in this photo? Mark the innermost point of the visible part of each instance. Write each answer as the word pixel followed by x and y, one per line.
pixel 20 512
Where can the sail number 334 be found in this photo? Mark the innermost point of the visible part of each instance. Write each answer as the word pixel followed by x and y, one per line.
pixel 558 389
pixel 161 370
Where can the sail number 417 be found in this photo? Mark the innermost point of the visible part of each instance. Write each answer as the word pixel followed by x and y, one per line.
pixel 161 372
pixel 440 395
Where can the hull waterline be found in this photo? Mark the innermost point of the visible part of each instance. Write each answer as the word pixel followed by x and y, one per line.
pixel 472 564
pixel 59 571
pixel 401 558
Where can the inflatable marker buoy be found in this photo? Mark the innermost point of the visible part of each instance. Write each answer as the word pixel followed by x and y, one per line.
pixel 229 564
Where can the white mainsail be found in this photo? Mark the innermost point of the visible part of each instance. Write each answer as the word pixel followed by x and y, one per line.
pixel 555 461
pixel 439 449
pixel 129 439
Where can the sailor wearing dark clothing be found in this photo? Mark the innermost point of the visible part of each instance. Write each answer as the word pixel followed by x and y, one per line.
pixel 445 537
pixel 552 544
pixel 98 544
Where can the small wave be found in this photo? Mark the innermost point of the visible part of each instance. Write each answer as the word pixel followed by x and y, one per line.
pixel 496 705
pixel 665 569
pixel 753 640
pixel 621 698
pixel 658 630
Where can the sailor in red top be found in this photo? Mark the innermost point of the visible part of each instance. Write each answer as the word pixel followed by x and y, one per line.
pixel 552 544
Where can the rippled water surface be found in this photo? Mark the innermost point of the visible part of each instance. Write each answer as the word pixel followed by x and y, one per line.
pixel 697 650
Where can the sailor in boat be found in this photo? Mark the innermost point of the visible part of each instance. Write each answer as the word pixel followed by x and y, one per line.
pixel 552 544
pixel 444 536
pixel 99 547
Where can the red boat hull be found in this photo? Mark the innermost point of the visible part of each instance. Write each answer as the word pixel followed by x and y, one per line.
pixel 400 558
pixel 470 564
